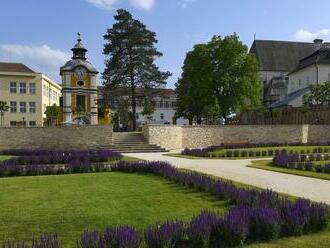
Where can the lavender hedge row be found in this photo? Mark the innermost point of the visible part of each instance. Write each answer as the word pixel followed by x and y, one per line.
pixel 303 162
pixel 255 216
pixel 35 157
pixel 229 150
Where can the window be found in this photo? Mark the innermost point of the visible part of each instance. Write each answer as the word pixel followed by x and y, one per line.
pixel 13 87
pixel 13 107
pixel 44 90
pixel 162 116
pixel 299 85
pixel 22 107
pixel 32 123
pixel 32 107
pixel 22 88
pixel 13 123
pixel 32 88
pixel 50 93
pixel 47 91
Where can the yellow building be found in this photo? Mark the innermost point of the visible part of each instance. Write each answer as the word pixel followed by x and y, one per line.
pixel 79 81
pixel 27 94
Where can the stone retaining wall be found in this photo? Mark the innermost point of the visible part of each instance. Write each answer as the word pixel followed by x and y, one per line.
pixel 179 137
pixel 73 137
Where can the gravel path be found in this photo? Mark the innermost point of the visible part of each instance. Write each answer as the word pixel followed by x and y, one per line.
pixel 237 170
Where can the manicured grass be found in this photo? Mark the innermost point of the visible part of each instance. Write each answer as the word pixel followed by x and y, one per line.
pixel 4 157
pixel 69 204
pixel 267 165
pixel 316 240
pixel 178 155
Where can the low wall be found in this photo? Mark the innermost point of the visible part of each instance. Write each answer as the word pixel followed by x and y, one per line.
pixel 73 137
pixel 179 137
pixel 319 133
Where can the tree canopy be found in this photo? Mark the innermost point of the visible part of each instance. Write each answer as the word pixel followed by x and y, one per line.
pixel 219 78
pixel 3 108
pixel 319 95
pixel 130 57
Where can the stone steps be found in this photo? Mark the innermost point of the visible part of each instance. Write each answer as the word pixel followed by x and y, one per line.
pixel 131 143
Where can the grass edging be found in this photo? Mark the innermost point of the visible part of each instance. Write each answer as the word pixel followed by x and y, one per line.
pixel 266 165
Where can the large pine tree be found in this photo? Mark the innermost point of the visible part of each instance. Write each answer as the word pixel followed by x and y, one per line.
pixel 131 53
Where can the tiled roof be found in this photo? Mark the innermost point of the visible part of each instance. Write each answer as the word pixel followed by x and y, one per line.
pixel 14 67
pixel 281 55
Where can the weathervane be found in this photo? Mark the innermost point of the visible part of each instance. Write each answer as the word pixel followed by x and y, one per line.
pixel 79 36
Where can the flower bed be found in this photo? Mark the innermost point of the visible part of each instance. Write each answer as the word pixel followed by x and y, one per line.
pixel 261 150
pixel 304 162
pixel 255 216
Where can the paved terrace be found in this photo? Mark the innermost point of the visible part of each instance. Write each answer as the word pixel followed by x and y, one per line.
pixel 237 170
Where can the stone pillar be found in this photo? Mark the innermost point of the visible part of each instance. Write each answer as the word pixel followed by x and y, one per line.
pixel 93 100
pixel 66 93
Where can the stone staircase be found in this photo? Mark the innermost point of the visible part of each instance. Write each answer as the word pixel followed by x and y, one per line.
pixel 131 142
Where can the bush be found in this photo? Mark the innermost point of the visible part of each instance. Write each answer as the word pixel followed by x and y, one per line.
pixel 292 165
pixel 251 154
pixel 309 166
pixel 265 224
pixel 264 153
pixel 270 152
pixel 244 153
pixel 319 168
pixel 236 154
pixel 300 166
pixel 326 168
pixel 199 229
pixel 258 153
pixel 229 154
pixel 232 230
pixel 169 234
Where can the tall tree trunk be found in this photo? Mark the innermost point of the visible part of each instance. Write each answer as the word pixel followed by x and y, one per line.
pixel 133 104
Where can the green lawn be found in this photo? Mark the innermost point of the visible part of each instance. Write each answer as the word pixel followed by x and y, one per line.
pixel 316 240
pixel 4 157
pixel 267 165
pixel 69 204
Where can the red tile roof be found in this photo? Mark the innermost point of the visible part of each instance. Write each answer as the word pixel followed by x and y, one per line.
pixel 14 67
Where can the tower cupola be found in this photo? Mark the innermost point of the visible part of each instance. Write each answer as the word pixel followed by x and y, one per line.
pixel 79 51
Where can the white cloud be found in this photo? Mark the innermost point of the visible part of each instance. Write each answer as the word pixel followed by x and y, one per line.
pixel 305 35
pixel 39 58
pixel 108 4
pixel 103 4
pixel 143 4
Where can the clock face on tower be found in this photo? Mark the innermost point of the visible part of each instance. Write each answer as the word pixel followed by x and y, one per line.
pixel 80 72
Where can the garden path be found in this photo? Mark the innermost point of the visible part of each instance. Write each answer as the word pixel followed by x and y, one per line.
pixel 237 170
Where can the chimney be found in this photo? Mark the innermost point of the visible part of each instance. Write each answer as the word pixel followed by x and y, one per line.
pixel 318 41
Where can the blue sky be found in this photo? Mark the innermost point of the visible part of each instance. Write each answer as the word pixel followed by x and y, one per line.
pixel 40 33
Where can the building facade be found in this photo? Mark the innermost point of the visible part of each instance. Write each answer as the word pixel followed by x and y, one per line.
pixel 164 101
pixel 313 69
pixel 27 94
pixel 79 82
pixel 277 59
